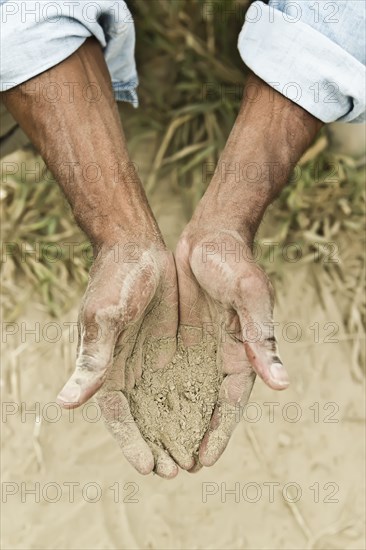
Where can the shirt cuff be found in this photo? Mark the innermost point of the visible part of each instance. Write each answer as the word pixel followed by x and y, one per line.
pixel 303 64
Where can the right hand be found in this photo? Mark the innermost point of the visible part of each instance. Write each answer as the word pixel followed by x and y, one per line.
pixel 126 282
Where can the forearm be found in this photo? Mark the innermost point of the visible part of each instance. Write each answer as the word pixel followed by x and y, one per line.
pixel 268 138
pixel 81 140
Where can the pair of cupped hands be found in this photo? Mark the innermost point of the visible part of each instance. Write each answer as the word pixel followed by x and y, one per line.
pixel 137 290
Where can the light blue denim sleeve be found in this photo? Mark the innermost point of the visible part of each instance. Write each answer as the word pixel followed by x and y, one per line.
pixel 313 52
pixel 36 35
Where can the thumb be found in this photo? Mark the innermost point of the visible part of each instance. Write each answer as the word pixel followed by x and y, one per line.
pixel 262 352
pixel 254 306
pixel 95 356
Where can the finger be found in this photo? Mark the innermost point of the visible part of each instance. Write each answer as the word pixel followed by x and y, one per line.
pixel 254 306
pixel 120 423
pixel 234 394
pixel 262 351
pixel 165 466
pixel 264 358
pixel 179 454
pixel 107 310
pixel 95 356
pixel 196 468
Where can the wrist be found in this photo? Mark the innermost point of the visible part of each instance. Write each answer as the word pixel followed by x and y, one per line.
pixel 267 140
pixel 115 211
pixel 241 190
pixel 136 235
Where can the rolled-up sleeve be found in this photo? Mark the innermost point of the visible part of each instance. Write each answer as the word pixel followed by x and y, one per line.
pixel 311 52
pixel 36 35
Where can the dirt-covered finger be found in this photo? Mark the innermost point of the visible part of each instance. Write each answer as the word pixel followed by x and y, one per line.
pixel 234 394
pixel 120 423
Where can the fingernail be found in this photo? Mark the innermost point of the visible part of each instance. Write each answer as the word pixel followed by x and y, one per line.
pixel 69 394
pixel 279 374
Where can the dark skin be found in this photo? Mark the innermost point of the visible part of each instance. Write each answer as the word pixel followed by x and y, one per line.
pixel 220 285
pixel 215 287
pixel 133 272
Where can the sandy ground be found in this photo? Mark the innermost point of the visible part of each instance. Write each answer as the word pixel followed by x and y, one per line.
pixel 291 478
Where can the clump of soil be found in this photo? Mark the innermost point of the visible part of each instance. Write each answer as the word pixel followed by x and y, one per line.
pixel 173 405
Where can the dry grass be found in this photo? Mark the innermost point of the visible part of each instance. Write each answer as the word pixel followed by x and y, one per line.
pixel 191 81
pixel 42 247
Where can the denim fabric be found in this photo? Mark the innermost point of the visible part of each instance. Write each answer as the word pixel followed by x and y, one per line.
pixel 36 35
pixel 311 51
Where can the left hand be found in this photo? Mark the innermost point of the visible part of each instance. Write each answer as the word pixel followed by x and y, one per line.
pixel 223 292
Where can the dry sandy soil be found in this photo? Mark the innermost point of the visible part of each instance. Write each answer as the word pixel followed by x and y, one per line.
pixel 291 478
